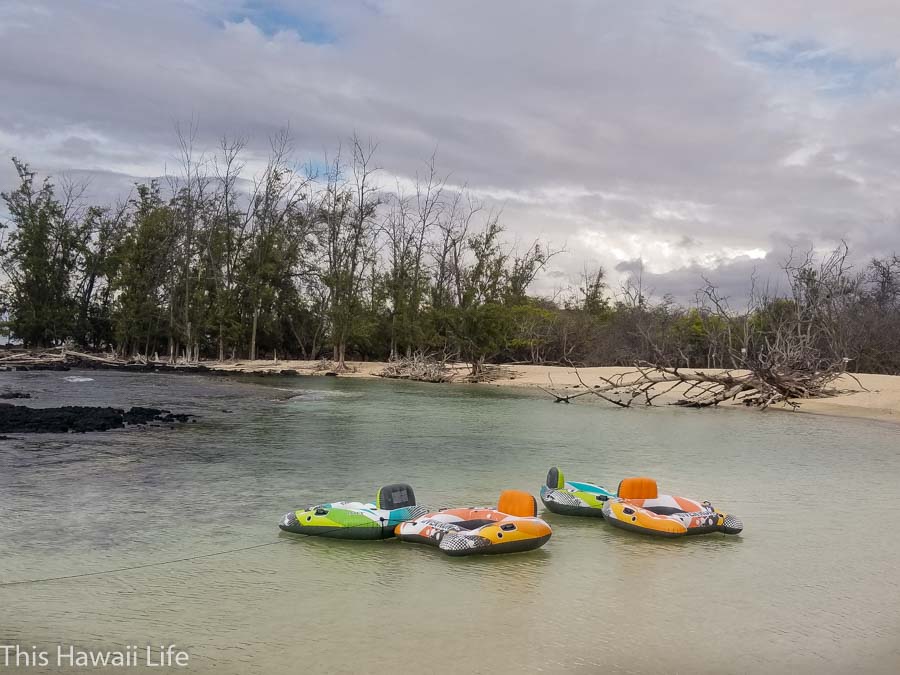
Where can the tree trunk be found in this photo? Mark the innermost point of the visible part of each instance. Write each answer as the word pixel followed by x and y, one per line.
pixel 253 333
pixel 393 355
pixel 314 347
pixel 477 366
pixel 297 337
pixel 340 352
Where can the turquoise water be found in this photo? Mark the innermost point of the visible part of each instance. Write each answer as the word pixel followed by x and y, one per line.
pixel 811 586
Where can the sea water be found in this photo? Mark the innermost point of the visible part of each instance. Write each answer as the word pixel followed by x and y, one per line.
pixel 810 586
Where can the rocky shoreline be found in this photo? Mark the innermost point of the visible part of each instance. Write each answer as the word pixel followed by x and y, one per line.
pixel 80 419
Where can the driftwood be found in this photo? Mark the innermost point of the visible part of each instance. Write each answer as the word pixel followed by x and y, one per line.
pixel 60 358
pixel 25 358
pixel 761 388
pixel 330 367
pixel 781 350
pixel 490 372
pixel 112 360
pixel 420 368
pixel 431 368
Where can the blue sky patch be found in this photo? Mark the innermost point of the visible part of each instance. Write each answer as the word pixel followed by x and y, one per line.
pixel 272 17
pixel 839 73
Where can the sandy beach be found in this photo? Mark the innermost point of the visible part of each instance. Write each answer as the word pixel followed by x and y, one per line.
pixel 878 399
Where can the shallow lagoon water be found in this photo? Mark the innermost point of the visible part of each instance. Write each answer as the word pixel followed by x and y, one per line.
pixel 811 586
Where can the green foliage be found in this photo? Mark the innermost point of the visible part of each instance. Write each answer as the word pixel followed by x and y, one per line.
pixel 294 269
pixel 144 266
pixel 595 301
pixel 43 254
pixel 534 329
pixel 480 331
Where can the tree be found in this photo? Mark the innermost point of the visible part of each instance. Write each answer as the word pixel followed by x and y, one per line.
pixel 490 286
pixel 224 243
pixel 408 224
pixel 278 233
pixel 347 232
pixel 215 264
pixel 593 299
pixel 40 260
pixel 104 228
pixel 144 261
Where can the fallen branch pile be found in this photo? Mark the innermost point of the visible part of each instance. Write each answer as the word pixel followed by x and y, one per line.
pixel 490 372
pixel 420 368
pixel 430 368
pixel 25 359
pixel 330 367
pixel 60 358
pixel 701 389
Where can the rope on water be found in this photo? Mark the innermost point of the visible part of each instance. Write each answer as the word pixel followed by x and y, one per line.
pixel 138 567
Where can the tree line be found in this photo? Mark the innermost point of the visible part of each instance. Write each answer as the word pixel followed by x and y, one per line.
pixel 290 262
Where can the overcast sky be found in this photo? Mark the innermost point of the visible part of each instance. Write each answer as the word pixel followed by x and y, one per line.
pixel 704 137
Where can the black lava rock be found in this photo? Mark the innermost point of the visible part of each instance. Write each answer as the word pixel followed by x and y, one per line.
pixel 76 418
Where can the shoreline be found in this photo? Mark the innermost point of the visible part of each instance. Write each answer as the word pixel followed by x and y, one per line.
pixel 873 397
pixel 880 403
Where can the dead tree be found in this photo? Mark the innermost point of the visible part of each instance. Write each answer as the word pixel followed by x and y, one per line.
pixel 648 382
pixel 781 350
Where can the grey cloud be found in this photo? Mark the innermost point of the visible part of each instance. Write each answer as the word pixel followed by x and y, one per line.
pixel 624 129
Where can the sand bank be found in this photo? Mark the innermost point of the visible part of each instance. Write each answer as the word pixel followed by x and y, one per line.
pixel 880 402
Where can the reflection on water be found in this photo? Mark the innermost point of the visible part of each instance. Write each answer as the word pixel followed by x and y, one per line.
pixel 810 586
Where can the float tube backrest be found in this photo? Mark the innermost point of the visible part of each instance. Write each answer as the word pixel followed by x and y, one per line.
pixel 395 496
pixel 637 488
pixel 555 479
pixel 517 503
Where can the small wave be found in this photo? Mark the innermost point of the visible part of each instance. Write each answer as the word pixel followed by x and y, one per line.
pixel 302 396
pixel 76 378
pixel 313 395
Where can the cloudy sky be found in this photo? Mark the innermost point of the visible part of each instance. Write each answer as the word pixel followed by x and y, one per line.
pixel 681 138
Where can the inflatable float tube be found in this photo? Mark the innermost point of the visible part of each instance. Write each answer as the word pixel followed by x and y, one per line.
pixel 640 508
pixel 356 520
pixel 512 527
pixel 571 498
